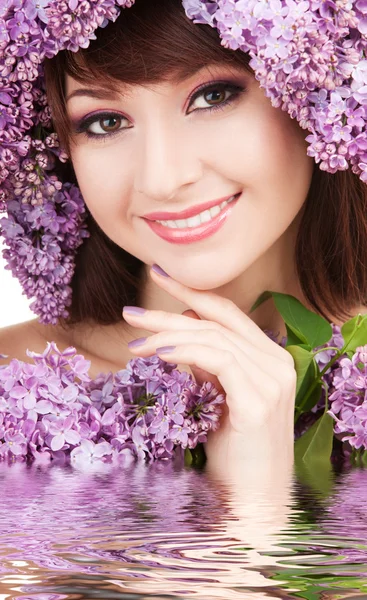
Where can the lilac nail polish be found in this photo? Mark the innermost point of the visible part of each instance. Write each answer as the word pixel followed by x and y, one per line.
pixel 159 270
pixel 134 310
pixel 165 349
pixel 137 342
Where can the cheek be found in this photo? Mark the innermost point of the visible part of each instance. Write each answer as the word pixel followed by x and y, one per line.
pixel 267 153
pixel 101 180
pixel 104 184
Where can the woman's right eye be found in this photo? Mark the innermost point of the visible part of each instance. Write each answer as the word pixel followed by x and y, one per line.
pixel 101 125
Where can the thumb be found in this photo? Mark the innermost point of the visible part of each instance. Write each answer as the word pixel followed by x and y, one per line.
pixel 201 375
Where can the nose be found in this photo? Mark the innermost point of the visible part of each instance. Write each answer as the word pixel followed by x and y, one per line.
pixel 168 161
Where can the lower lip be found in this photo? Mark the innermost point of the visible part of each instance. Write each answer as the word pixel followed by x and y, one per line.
pixel 193 234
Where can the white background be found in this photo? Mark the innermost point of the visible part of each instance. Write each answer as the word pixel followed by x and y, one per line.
pixel 14 307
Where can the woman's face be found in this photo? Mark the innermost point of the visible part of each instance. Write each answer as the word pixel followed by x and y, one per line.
pixel 173 146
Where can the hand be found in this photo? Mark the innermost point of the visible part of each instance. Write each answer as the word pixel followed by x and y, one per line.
pixel 225 346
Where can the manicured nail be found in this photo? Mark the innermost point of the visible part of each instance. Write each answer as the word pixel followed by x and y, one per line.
pixel 165 349
pixel 134 310
pixel 137 342
pixel 159 270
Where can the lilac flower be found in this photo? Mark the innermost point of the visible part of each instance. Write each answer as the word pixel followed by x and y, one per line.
pixel 348 400
pixel 51 409
pixel 14 443
pixel 61 432
pixel 88 453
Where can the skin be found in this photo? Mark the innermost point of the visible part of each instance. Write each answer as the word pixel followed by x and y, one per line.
pixel 249 147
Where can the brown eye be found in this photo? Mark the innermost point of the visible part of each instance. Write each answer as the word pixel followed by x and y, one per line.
pixel 215 96
pixel 110 124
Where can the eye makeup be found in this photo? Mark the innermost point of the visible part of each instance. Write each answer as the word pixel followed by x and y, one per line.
pixel 232 92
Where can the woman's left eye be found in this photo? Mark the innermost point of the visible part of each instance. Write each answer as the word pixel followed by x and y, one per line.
pixel 215 96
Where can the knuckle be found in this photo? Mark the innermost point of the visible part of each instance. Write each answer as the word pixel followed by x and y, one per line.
pixel 277 390
pixel 289 359
pixel 226 304
pixel 229 360
pixel 289 376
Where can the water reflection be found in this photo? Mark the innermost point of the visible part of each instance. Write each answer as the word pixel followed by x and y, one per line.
pixel 165 531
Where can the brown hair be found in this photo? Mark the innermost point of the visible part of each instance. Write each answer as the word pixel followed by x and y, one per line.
pixel 154 41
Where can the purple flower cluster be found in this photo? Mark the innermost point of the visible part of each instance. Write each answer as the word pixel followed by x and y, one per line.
pixel 310 58
pixel 349 398
pixel 52 410
pixel 346 382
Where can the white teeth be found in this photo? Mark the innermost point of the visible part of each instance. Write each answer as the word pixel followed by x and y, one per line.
pixel 204 217
pixel 214 211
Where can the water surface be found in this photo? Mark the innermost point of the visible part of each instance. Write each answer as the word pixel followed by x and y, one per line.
pixel 163 530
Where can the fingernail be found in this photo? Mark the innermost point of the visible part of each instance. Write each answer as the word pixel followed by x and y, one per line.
pixel 165 349
pixel 159 270
pixel 137 342
pixel 134 310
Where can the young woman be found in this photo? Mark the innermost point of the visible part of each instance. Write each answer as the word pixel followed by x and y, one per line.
pixel 161 123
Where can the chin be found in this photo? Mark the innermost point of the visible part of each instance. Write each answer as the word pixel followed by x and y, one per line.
pixel 202 279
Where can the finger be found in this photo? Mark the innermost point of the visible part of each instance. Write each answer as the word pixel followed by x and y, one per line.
pixel 262 374
pixel 212 307
pixel 169 324
pixel 235 380
pixel 201 375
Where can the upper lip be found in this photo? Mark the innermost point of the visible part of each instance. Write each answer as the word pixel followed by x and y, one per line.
pixel 185 214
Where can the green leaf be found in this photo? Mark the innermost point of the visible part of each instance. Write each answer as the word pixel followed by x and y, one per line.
pixel 320 477
pixel 308 399
pixel 262 298
pixel 306 369
pixel 195 457
pixel 307 326
pixel 294 340
pixel 315 446
pixel 354 332
pixel 308 373
pixel 187 457
pixel 364 458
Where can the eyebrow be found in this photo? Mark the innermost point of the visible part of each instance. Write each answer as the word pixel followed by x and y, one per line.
pixel 100 94
pixel 108 94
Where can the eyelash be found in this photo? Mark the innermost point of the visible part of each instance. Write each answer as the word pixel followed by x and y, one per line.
pixel 82 126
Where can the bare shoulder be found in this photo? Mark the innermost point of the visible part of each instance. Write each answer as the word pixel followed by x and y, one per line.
pixel 15 340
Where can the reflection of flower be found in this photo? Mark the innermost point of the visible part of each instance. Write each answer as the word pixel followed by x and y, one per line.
pixel 52 409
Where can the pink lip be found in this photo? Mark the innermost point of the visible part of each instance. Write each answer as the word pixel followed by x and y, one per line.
pixel 184 214
pixel 193 234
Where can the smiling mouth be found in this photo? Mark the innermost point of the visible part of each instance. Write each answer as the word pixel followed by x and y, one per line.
pixel 204 217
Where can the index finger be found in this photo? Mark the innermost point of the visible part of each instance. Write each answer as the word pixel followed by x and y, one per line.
pixel 212 307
